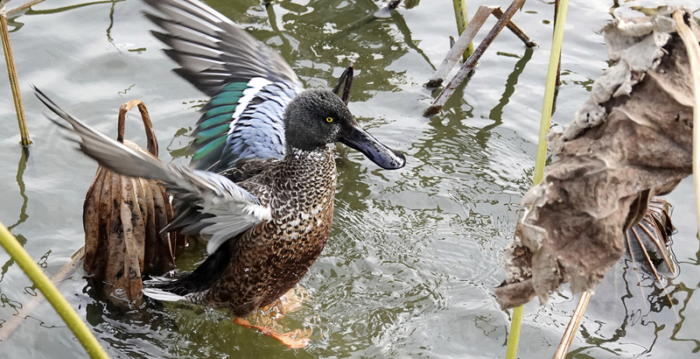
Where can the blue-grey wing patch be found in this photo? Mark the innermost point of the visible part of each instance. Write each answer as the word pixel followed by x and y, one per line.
pixel 257 130
pixel 242 121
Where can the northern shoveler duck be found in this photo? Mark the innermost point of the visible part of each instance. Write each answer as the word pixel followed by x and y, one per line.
pixel 261 182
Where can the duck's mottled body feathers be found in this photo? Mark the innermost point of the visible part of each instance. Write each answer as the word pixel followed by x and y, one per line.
pixel 269 259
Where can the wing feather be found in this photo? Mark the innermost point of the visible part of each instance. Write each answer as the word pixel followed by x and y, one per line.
pixel 239 72
pixel 208 203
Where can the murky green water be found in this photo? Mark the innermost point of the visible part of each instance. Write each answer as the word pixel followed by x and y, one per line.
pixel 414 254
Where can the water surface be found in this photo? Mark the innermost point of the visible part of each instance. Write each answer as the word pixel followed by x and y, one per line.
pixel 414 254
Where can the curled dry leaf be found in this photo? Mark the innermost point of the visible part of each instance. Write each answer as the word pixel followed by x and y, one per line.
pixel 123 217
pixel 630 141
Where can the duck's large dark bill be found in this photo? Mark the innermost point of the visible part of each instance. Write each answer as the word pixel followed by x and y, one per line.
pixel 380 154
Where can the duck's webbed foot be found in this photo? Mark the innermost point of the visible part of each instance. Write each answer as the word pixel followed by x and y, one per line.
pixel 296 339
pixel 266 320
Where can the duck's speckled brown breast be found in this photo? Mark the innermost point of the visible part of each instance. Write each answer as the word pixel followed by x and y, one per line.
pixel 270 258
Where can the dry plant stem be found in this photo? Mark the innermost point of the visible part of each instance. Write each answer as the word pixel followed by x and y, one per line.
pixel 498 13
pixel 14 83
pixel 23 7
pixel 466 37
pixel 469 64
pixel 150 135
pixel 19 318
pixel 691 45
pixel 462 18
pixel 572 328
pixel 461 45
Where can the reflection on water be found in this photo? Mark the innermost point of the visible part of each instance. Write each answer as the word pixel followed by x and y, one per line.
pixel 22 191
pixel 15 25
pixel 24 155
pixel 319 39
pixel 624 316
pixel 413 255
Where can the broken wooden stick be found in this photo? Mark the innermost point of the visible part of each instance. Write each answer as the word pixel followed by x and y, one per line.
pixel 498 13
pixel 453 56
pixel 572 328
pixel 462 44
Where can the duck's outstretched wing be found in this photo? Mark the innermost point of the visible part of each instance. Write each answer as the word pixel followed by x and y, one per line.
pixel 250 84
pixel 209 203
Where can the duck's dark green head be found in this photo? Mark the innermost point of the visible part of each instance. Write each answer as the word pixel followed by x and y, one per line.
pixel 316 118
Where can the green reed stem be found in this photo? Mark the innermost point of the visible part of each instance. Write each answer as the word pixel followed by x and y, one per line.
pixel 541 157
pixel 41 281
pixel 14 83
pixel 549 88
pixel 514 336
pixel 462 22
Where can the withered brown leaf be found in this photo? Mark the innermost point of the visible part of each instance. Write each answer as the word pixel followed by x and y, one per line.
pixel 123 218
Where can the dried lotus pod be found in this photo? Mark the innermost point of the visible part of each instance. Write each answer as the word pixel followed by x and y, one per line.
pixel 123 218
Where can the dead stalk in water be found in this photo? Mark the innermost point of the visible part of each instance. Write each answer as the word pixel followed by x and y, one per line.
pixel 466 37
pixel 515 29
pixel 572 328
pixel 471 62
pixel 12 74
pixel 461 45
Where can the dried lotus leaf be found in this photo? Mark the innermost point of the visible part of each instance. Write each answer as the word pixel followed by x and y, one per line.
pixel 620 151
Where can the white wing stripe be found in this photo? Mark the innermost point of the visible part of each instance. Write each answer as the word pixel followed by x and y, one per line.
pixel 254 86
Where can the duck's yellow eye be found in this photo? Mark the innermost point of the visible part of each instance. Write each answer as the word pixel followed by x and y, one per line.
pixel 329 119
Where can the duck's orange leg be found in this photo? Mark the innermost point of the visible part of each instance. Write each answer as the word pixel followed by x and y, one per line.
pixel 293 340
pixel 266 320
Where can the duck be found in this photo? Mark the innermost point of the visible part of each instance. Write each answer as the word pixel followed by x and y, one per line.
pixel 261 182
